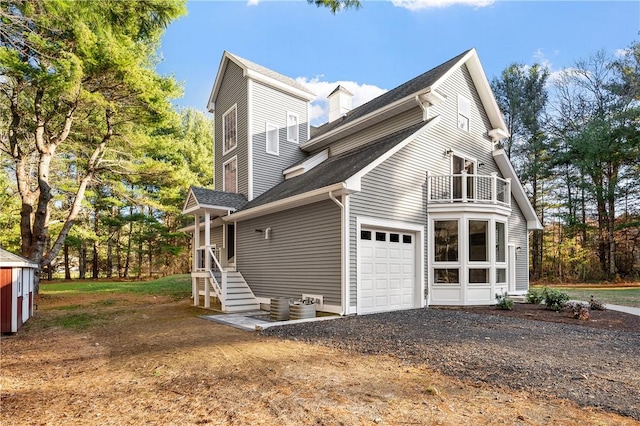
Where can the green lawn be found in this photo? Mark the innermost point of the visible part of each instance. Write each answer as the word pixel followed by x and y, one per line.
pixel 176 286
pixel 615 296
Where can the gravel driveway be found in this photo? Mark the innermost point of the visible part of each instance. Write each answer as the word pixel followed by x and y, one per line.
pixel 591 367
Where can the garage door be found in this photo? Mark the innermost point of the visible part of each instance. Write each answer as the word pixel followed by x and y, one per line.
pixel 387 270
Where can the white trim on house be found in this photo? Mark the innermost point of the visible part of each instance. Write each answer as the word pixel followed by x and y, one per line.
pixel 297 136
pixel 288 203
pixel 225 151
pixel 306 165
pixel 224 180
pixel 272 129
pixel 249 140
pixel 506 168
pixel 388 224
pixel 255 75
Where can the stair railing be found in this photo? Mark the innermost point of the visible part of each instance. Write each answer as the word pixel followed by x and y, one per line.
pixel 215 269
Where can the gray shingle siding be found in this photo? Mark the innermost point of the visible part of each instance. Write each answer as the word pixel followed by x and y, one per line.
pixel 302 255
pixel 233 90
pixel 270 105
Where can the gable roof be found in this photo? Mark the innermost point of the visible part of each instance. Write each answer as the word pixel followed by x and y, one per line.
pixel 10 259
pixel 409 91
pixel 199 198
pixel 259 73
pixel 333 174
pixel 519 194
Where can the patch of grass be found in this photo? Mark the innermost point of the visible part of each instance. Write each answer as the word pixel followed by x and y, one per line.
pixel 174 286
pixel 617 296
pixel 68 308
pixel 76 321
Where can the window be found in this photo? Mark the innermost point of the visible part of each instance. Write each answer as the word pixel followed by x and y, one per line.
pixel 230 175
pixel 478 276
pixel 292 127
pixel 229 129
pixel 406 239
pixel 500 242
pixel 394 238
pixel 19 281
pixel 273 145
pixel 464 112
pixel 446 240
pixel 381 236
pixel 501 275
pixel 478 238
pixel 446 276
pixel 365 235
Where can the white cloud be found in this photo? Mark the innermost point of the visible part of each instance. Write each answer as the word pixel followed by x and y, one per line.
pixel 252 2
pixel 621 53
pixel 434 4
pixel 362 93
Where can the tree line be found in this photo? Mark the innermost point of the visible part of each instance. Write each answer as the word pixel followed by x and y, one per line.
pixel 575 143
pixel 96 161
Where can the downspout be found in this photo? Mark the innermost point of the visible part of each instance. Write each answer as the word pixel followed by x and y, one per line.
pixel 344 251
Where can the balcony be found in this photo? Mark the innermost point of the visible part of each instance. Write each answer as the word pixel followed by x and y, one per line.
pixel 466 188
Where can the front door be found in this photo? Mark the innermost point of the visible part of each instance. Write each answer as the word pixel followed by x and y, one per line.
pixel 461 164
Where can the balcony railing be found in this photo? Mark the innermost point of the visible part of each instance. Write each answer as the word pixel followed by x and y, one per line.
pixel 466 188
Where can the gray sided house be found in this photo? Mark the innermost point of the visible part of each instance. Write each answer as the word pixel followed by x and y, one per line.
pixel 403 202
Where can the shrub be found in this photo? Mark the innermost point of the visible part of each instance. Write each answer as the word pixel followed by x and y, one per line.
pixel 554 299
pixel 504 302
pixel 535 297
pixel 579 310
pixel 596 305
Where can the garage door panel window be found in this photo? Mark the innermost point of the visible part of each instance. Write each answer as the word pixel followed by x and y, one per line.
pixel 381 236
pixel 365 235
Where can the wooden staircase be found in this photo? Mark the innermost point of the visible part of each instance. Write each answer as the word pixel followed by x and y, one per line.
pixel 238 296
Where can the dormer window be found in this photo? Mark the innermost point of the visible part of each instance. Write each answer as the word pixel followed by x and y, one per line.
pixel 464 113
pixel 230 129
pixel 292 127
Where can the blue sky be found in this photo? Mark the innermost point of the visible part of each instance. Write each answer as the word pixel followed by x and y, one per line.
pixel 385 43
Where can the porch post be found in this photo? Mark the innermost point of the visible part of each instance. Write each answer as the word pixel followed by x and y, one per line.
pixel 207 239
pixel 196 242
pixel 494 188
pixel 464 186
pixel 194 291
pixel 507 195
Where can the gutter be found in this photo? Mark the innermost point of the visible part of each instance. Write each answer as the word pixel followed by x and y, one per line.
pixel 279 205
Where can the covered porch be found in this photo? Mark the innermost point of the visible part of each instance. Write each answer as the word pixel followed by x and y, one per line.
pixel 213 271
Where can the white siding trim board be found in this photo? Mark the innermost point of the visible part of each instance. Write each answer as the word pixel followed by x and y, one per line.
pixel 250 139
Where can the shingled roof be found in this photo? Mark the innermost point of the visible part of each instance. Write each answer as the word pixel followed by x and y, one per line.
pixel 334 170
pixel 210 197
pixel 410 87
pixel 10 259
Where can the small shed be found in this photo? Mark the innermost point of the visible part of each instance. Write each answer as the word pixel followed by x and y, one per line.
pixel 17 276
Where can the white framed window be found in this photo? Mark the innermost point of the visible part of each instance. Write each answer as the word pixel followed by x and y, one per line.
pixel 464 113
pixel 230 129
pixel 271 136
pixel 293 127
pixel 230 175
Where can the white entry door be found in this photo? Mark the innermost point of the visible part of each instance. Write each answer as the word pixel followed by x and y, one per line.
pixel 387 270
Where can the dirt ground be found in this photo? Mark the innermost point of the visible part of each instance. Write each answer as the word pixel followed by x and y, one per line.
pixel 153 361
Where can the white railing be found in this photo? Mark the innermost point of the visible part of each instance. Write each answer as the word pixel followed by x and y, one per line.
pixel 466 188
pixel 217 276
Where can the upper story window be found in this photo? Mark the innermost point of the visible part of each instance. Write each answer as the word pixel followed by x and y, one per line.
pixel 230 129
pixel 293 128
pixel 230 175
pixel 464 113
pixel 273 143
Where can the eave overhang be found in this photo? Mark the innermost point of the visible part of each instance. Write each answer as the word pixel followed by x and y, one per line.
pixel 517 190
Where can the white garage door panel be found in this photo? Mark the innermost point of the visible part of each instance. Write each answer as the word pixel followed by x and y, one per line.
pixel 387 270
